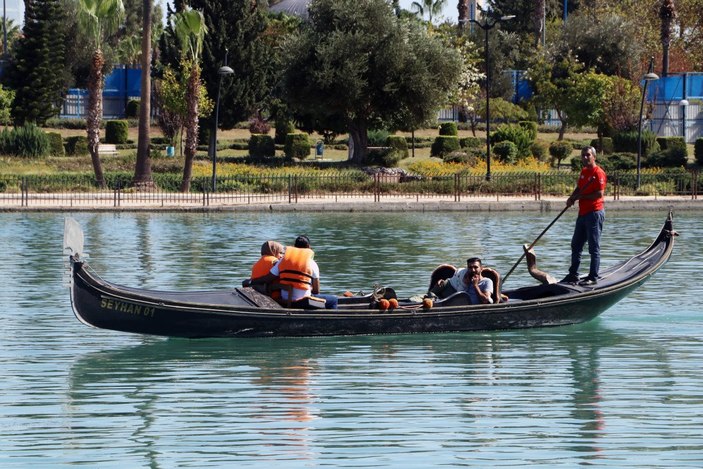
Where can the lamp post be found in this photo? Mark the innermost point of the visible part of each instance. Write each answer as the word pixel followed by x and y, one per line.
pixel 222 71
pixel 649 76
pixel 487 25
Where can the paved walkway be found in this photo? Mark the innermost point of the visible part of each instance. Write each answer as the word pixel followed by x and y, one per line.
pixel 252 202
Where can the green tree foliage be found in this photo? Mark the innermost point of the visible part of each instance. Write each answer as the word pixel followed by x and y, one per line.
pixel 7 96
pixel 430 8
pixel 356 62
pixel 605 45
pixel 239 27
pixel 36 70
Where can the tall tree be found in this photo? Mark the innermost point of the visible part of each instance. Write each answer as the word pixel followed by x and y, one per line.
pixel 431 8
pixel 189 26
pixel 142 169
pixel 241 27
pixel 667 14
pixel 356 62
pixel 36 74
pixel 99 18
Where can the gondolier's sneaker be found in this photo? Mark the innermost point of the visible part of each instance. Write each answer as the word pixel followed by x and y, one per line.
pixel 570 279
pixel 588 281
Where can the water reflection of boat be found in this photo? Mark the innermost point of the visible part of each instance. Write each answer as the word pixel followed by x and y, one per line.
pixel 243 312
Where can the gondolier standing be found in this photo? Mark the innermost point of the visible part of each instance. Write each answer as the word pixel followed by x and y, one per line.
pixel 589 192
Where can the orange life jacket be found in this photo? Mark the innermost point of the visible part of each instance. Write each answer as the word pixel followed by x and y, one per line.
pixel 263 266
pixel 294 268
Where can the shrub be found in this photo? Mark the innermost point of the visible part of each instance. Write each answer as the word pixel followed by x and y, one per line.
pixel 671 157
pixel 55 144
pixel 520 136
pixel 506 151
pixel 377 137
pixel 204 132
pixel 616 162
pixel 530 127
pixel 443 145
pixel 627 142
pixel 471 142
pixel 448 128
pixel 384 156
pixel 283 128
pixel 560 150
pixel 607 145
pixel 539 150
pixel 456 157
pixel 28 141
pixel 261 146
pixel 77 145
pixel 398 144
pixel 116 131
pixel 132 109
pixel 698 150
pixel 297 146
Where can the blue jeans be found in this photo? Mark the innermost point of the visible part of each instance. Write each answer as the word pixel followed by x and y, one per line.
pixel 588 228
pixel 330 300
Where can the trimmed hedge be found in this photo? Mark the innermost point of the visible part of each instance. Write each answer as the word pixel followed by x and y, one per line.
pixel 471 142
pixel 399 145
pixel 627 142
pixel 297 146
pixel 506 151
pixel 55 144
pixel 448 128
pixel 444 144
pixel 77 145
pixel 116 131
pixel 519 135
pixel 261 146
pixel 283 128
pixel 560 150
pixel 132 110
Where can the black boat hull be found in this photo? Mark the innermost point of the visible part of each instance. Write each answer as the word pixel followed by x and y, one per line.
pixel 232 313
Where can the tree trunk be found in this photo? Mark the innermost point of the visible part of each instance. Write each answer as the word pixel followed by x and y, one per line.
pixel 562 127
pixel 463 7
pixel 95 113
pixel 142 169
pixel 359 132
pixel 538 20
pixel 191 125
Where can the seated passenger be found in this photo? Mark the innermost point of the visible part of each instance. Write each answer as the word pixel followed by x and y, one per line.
pixel 271 252
pixel 298 271
pixel 537 274
pixel 470 280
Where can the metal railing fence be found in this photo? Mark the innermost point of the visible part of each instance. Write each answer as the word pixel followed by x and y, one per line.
pixel 82 191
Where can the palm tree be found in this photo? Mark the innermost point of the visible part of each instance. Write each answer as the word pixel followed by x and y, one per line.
pixel 142 168
pixel 432 8
pixel 99 18
pixel 667 14
pixel 190 29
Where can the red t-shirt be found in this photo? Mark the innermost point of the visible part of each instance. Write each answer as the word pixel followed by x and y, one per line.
pixel 597 177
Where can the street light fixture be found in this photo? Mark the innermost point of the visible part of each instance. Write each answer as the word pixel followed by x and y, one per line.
pixel 487 25
pixel 649 76
pixel 222 71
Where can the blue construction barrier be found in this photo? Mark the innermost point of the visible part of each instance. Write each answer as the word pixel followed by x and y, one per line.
pixel 121 85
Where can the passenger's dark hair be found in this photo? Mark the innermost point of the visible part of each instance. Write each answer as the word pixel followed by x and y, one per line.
pixel 471 260
pixel 302 241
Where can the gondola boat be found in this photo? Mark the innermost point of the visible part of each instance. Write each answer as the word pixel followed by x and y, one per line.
pixel 244 312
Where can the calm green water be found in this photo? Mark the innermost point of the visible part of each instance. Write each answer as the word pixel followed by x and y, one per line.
pixel 624 390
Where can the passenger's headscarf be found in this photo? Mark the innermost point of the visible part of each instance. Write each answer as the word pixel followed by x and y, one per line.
pixel 272 248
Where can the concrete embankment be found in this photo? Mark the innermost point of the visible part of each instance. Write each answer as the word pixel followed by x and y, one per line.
pixel 347 204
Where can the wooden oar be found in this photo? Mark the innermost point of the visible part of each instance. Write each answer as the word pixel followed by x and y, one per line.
pixel 543 232
pixel 533 244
